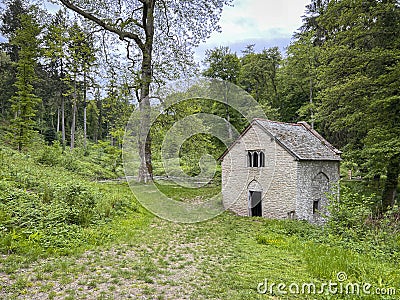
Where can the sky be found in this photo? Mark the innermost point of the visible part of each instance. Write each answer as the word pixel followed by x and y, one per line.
pixel 265 23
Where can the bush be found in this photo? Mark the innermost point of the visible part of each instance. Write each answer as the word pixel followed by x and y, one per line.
pixel 43 207
pixel 353 224
pixel 349 214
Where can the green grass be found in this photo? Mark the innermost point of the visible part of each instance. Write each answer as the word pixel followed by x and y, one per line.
pixel 185 193
pixel 224 258
pixel 125 252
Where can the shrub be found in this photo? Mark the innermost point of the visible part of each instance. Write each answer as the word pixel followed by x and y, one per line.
pixel 349 213
pixel 45 206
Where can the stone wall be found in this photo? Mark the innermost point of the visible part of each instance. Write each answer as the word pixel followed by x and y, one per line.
pixel 311 186
pixel 278 178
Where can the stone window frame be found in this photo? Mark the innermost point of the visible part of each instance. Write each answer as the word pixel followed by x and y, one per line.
pixel 255 158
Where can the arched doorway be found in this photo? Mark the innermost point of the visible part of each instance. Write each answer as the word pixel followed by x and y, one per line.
pixel 255 199
pixel 320 186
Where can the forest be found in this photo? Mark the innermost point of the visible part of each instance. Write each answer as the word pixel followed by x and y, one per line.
pixel 62 81
pixel 70 80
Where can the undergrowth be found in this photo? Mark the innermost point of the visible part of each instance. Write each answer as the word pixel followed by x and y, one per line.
pixel 49 202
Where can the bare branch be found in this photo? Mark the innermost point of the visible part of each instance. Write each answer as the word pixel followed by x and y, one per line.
pixel 128 44
pixel 122 34
pixel 131 20
pixel 104 47
pixel 166 18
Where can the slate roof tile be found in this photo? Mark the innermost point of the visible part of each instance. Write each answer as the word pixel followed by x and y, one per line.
pixel 300 140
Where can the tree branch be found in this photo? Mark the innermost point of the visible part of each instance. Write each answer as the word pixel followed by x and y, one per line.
pixel 128 44
pixel 122 34
pixel 166 18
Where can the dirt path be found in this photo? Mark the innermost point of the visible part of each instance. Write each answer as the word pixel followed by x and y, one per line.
pixel 165 261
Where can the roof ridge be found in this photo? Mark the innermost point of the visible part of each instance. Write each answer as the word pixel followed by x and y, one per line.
pixel 320 137
pixel 278 122
pixel 294 143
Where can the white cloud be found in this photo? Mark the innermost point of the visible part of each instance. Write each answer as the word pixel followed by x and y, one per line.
pixel 257 20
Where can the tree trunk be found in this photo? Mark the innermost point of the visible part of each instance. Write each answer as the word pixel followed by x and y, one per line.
pixel 228 117
pixel 74 109
pixel 390 189
pixel 62 110
pixel 145 170
pixel 311 102
pixel 58 120
pixel 63 121
pixel 145 173
pixel 84 127
pixel 99 131
pixel 84 111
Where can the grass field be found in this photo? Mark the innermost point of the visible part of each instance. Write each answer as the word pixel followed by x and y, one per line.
pixel 145 257
pixel 66 236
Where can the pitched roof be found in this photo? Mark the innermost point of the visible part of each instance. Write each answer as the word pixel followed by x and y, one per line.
pixel 299 139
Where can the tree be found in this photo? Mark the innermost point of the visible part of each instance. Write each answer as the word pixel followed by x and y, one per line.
pixel 80 53
pixel 116 109
pixel 298 78
pixel 55 43
pixel 24 102
pixel 10 23
pixel 314 11
pixel 175 25
pixel 6 80
pixel 223 64
pixel 258 76
pixel 359 85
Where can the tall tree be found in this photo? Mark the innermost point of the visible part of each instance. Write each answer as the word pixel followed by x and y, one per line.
pixel 6 80
pixel 258 76
pixel 314 11
pixel 81 56
pixel 175 26
pixel 117 109
pixel 359 82
pixel 24 102
pixel 10 23
pixel 55 50
pixel 223 64
pixel 298 79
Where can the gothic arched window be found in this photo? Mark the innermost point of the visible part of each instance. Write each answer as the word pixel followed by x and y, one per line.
pixel 255 158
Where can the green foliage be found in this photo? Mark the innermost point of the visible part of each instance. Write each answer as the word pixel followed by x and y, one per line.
pixel 349 214
pixel 100 161
pixel 298 79
pixel 360 75
pixel 52 208
pixel 351 226
pixel 6 80
pixel 24 102
pixel 222 64
pixel 187 153
pixel 256 73
pixel 258 76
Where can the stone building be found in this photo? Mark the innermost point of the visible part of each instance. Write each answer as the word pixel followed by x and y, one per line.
pixel 279 170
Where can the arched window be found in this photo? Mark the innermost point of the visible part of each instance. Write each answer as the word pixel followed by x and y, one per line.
pixel 255 158
pixel 249 159
pixel 262 159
